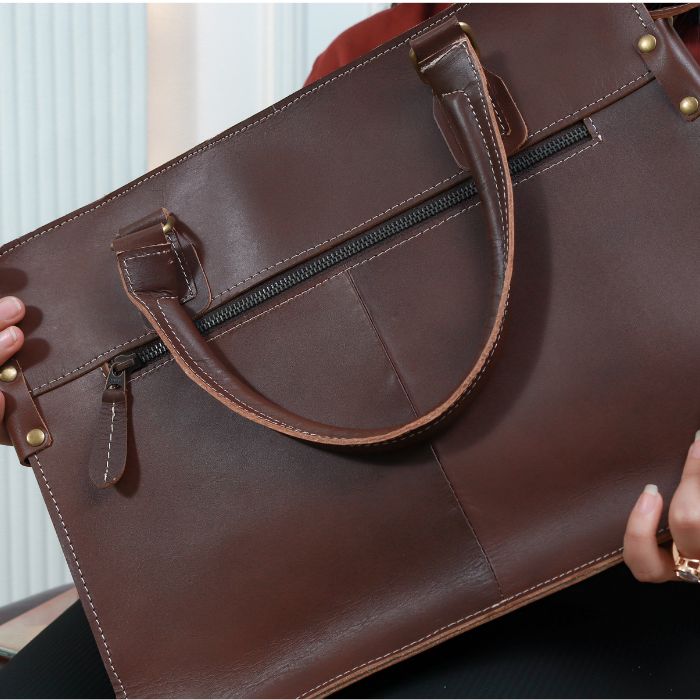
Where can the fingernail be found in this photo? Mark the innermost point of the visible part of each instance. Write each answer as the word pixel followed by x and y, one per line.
pixel 8 337
pixel 695 447
pixel 9 308
pixel 647 501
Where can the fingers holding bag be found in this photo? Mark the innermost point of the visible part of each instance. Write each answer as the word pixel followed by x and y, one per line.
pixel 648 561
pixel 11 339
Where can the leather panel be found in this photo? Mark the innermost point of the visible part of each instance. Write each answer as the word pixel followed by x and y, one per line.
pixel 337 537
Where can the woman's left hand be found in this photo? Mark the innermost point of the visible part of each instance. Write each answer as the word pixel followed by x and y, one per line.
pixel 642 553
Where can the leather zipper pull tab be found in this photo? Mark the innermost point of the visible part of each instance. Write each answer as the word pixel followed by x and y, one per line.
pixel 109 448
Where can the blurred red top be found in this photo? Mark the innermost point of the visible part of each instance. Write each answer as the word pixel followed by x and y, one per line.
pixel 384 26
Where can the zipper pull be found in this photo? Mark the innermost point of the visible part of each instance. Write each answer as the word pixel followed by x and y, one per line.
pixel 108 455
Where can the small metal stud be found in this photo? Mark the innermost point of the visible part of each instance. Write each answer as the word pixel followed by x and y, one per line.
pixel 169 223
pixel 36 437
pixel 689 105
pixel 8 374
pixel 646 43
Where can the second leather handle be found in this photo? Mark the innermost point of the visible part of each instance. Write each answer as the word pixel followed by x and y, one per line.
pixel 448 62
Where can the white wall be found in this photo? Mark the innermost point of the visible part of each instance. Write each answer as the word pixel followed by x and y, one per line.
pixel 90 95
pixel 213 65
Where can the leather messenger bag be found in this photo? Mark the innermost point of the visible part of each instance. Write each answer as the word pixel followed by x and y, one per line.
pixel 389 359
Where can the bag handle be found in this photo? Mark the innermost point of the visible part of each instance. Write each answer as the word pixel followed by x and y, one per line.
pixel 152 271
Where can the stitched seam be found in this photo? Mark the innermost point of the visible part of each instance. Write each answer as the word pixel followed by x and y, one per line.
pixel 190 285
pixel 207 146
pixel 644 24
pixel 94 359
pixel 148 255
pixel 494 606
pixel 505 217
pixel 595 102
pixel 362 262
pixel 170 248
pixel 109 443
pixel 498 116
pixel 82 578
pixel 339 235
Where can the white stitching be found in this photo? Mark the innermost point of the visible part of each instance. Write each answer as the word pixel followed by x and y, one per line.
pixel 170 248
pixel 148 255
pixel 94 359
pixel 256 274
pixel 504 208
pixel 339 235
pixel 190 284
pixel 216 141
pixel 362 262
pixel 600 99
pixel 498 116
pixel 644 24
pixel 444 628
pixel 493 172
pixel 82 578
pixel 109 444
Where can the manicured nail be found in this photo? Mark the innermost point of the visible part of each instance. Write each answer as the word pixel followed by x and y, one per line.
pixel 9 308
pixel 647 501
pixel 695 447
pixel 8 337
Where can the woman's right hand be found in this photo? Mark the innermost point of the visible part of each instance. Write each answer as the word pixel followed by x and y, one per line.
pixel 11 339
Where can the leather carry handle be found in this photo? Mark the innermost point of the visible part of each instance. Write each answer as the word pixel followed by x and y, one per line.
pixel 155 279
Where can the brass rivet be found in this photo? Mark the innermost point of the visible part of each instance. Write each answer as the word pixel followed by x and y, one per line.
pixel 689 105
pixel 646 43
pixel 8 374
pixel 36 437
pixel 169 223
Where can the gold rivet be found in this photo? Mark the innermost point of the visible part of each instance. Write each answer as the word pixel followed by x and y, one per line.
pixel 646 43
pixel 36 437
pixel 689 105
pixel 8 374
pixel 169 223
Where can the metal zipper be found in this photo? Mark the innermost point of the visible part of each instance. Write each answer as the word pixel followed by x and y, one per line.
pixel 526 160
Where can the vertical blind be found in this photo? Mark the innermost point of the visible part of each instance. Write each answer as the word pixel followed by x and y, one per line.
pixel 72 128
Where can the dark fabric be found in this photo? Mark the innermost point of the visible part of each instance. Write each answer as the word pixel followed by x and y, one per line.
pixel 609 636
pixel 61 662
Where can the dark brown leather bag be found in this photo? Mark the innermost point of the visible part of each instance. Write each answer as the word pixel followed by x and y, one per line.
pixel 397 358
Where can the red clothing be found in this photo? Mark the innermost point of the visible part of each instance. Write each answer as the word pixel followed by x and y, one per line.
pixel 370 33
pixel 384 26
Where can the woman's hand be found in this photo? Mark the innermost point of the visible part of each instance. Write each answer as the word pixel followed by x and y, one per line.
pixel 645 558
pixel 11 339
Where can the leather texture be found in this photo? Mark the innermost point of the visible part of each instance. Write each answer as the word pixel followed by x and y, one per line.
pixel 283 567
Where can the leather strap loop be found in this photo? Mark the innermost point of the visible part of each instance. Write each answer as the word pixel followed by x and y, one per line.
pixel 446 60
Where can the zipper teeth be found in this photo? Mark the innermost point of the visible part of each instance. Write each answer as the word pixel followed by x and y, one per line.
pixel 305 271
